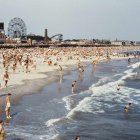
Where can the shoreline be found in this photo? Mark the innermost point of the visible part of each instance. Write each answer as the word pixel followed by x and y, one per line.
pixel 32 86
pixel 50 108
pixel 28 86
pixel 37 80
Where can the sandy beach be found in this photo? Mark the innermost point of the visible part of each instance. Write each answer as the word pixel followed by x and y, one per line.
pixel 21 83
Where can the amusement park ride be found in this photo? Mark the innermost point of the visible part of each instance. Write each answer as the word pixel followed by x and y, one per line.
pixel 17 30
pixel 58 37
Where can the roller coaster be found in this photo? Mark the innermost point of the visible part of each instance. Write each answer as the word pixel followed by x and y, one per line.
pixel 57 37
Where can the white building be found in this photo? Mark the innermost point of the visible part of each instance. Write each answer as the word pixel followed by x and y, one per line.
pixel 119 43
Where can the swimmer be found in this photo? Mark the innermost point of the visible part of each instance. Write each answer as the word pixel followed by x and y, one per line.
pixel 118 87
pixel 77 138
pixel 129 61
pixel 126 108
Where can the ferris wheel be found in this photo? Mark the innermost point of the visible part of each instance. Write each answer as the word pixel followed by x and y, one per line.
pixel 17 28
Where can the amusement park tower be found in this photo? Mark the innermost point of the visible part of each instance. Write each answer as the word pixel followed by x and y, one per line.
pixel 46 36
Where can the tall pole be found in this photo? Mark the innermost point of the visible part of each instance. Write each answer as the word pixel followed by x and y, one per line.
pixel 46 36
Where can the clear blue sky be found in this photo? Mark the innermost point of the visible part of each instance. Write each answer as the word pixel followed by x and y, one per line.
pixel 89 19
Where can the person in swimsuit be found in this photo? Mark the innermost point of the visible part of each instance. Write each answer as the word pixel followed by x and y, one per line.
pixel 77 138
pixel 94 64
pixel 27 64
pixel 60 72
pixel 6 78
pixel 8 106
pixel 34 64
pixel 73 86
pixel 126 108
pixel 118 87
pixel 2 133
pixel 129 61
pixel 14 67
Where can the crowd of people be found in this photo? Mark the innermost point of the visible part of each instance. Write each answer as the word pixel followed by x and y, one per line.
pixel 23 60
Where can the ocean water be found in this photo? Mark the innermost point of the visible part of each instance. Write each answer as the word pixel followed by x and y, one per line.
pixel 95 111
